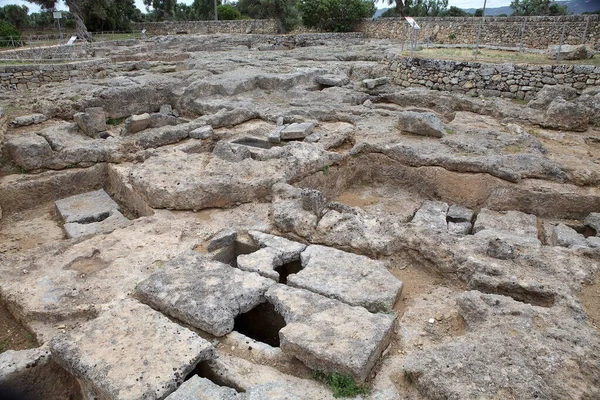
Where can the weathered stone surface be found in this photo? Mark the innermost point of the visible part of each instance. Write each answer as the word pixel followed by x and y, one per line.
pixel 298 130
pixel 32 374
pixel 166 109
pixel 544 97
pixel 86 207
pixel 353 279
pixel 460 228
pixel 569 52
pixel 562 114
pixel 30 151
pixel 26 120
pixel 203 293
pixel 432 215
pixel 288 250
pixel 332 80
pixel 130 352
pixel 564 236
pixel 113 221
pixel 328 335
pixel 136 123
pixel 373 83
pixel 457 213
pixel 197 388
pixel 263 261
pixel 222 239
pixel 421 123
pixel 92 122
pixel 593 221
pixel 313 201
pixel 511 222
pixel 501 249
pixel 509 341
pixel 204 132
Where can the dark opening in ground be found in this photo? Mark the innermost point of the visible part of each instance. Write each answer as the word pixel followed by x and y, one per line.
pixel 252 142
pixel 262 323
pixel 229 254
pixel 286 270
pixel 204 370
pixel 588 231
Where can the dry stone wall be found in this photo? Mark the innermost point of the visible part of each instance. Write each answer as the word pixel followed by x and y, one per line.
pixel 21 77
pixel 520 81
pixel 260 26
pixel 536 32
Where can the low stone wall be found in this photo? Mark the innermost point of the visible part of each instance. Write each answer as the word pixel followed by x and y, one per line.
pixel 260 26
pixel 21 77
pixel 536 32
pixel 520 81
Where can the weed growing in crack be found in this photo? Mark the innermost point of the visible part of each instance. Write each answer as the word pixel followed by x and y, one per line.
pixel 407 376
pixel 325 170
pixel 341 385
pixel 114 121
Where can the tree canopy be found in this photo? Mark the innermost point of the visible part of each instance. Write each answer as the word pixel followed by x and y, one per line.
pixel 335 15
pixel 537 7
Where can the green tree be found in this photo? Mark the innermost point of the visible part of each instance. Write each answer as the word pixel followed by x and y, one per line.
pixel 335 15
pixel 113 15
pixel 162 9
pixel 420 8
pixel 228 12
pixel 284 12
pixel 15 15
pixel 9 34
pixel 204 9
pixel 454 11
pixel 75 7
pixel 537 7
pixel 183 12
pixel 478 12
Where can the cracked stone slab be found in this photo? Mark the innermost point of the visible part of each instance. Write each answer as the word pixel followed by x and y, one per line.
pixel 288 250
pixel 263 261
pixel 432 215
pixel 130 351
pixel 115 220
pixel 86 207
pixel 329 335
pixel 565 236
pixel 205 294
pixel 511 222
pixel 298 130
pixel 197 388
pixel 353 279
pixel 593 221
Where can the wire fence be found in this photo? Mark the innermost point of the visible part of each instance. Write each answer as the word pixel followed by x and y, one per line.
pixel 57 47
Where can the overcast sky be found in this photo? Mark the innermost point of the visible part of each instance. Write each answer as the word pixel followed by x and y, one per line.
pixel 380 4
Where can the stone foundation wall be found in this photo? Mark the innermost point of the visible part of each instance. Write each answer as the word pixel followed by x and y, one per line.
pixel 538 32
pixel 520 81
pixel 21 77
pixel 260 26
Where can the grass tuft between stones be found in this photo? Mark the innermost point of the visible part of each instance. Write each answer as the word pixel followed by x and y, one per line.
pixel 341 385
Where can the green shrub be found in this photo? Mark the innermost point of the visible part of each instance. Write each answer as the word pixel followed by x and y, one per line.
pixel 9 35
pixel 341 385
pixel 335 15
pixel 228 12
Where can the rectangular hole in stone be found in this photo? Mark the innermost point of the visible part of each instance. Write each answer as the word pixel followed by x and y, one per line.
pixel 262 324
pixel 288 269
pixel 229 254
pixel 252 142
pixel 204 370
pixel 96 218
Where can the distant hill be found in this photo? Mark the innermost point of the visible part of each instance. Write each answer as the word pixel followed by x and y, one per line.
pixel 574 7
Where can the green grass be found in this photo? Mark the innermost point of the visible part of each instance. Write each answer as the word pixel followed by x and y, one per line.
pixel 3 346
pixel 341 385
pixel 449 131
pixel 520 101
pixel 114 121
pixel 325 170
pixel 407 376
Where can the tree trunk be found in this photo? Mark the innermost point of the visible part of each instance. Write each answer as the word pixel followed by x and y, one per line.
pixel 280 24
pixel 82 31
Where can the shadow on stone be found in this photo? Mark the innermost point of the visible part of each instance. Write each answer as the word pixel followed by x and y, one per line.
pixel 288 269
pixel 262 323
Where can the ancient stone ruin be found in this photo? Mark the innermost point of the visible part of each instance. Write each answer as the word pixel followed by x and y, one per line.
pixel 227 217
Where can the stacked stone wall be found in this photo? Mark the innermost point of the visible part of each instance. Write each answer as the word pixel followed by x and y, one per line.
pixel 260 26
pixel 520 81
pixel 534 32
pixel 21 77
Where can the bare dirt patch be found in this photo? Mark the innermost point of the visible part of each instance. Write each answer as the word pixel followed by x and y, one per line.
pixel 13 336
pixel 590 299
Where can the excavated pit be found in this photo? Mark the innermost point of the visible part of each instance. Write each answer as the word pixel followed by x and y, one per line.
pixel 262 323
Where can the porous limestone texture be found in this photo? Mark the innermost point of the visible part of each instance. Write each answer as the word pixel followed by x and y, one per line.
pixel 353 279
pixel 86 207
pixel 197 388
pixel 432 215
pixel 328 335
pixel 114 220
pixel 130 352
pixel 205 294
pixel 92 122
pixel 421 123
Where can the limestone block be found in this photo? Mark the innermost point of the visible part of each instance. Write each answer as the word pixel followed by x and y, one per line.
pixel 565 236
pixel 353 279
pixel 510 222
pixel 136 123
pixel 197 388
pixel 26 120
pixel 332 80
pixel 593 221
pixel 115 220
pixel 86 207
pixel 419 123
pixel 288 250
pixel 92 122
pixel 432 215
pixel 205 294
pixel 130 352
pixel 329 335
pixel 204 132
pixel 298 130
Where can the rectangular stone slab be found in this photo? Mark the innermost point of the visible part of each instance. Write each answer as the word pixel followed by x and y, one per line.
pixel 354 279
pixel 130 352
pixel 328 335
pixel 203 293
pixel 86 207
